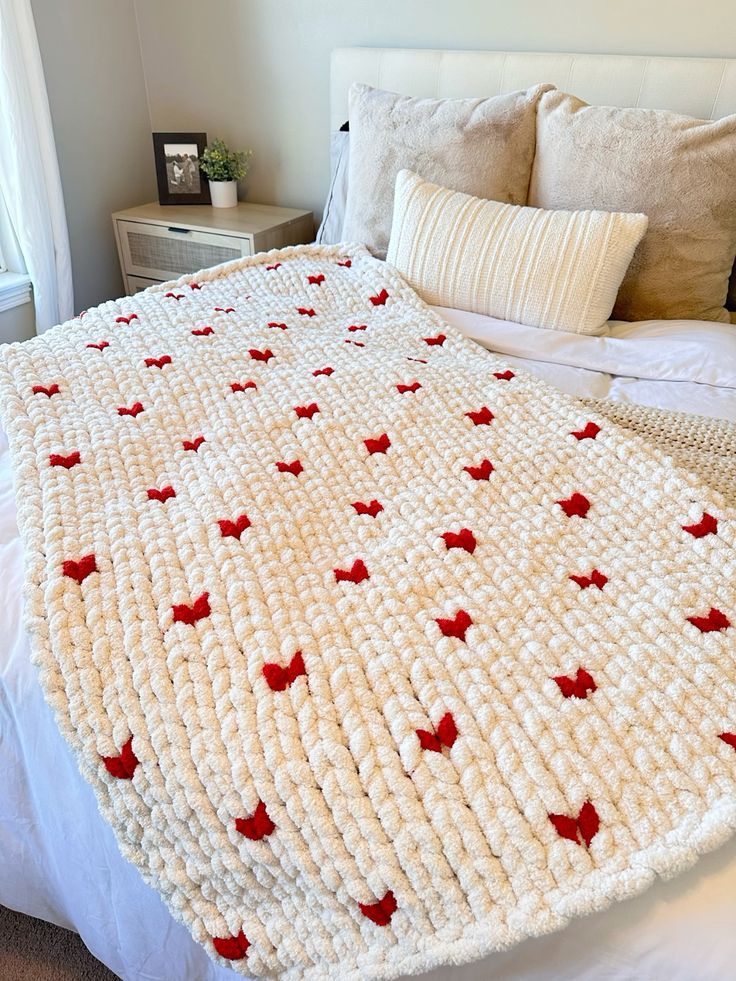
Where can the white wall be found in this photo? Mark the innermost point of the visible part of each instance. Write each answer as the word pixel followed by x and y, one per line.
pixel 256 71
pixel 94 76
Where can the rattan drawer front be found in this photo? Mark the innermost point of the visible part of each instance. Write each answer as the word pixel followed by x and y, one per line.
pixel 157 252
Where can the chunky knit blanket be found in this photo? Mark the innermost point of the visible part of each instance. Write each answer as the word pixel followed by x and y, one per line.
pixel 704 445
pixel 378 654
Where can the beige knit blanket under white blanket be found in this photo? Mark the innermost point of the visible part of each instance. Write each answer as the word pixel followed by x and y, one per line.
pixel 378 654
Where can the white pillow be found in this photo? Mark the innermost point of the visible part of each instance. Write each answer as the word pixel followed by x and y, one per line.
pixel 482 146
pixel 555 269
pixel 333 217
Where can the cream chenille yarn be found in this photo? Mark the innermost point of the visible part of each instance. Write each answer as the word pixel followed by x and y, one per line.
pixel 418 657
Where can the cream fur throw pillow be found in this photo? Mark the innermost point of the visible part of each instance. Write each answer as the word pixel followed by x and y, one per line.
pixel 555 269
pixel 480 146
pixel 679 171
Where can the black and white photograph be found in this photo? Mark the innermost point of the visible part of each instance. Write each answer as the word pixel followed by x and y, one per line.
pixel 182 168
pixel 180 180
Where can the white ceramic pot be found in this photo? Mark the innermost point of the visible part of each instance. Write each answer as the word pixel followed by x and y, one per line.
pixel 224 194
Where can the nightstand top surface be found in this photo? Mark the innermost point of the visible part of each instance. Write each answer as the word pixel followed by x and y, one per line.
pixel 244 218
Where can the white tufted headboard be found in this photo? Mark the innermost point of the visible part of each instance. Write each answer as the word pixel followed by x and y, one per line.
pixel 700 87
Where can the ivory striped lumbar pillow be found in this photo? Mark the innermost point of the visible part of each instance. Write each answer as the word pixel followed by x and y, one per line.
pixel 555 269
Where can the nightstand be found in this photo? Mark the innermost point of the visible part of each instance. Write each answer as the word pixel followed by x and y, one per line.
pixel 157 243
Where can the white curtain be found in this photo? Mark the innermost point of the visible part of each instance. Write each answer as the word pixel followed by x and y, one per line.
pixel 30 185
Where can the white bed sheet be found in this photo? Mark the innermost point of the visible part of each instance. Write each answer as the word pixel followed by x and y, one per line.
pixel 58 857
pixel 688 365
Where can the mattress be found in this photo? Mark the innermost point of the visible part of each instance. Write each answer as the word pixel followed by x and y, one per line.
pixel 60 861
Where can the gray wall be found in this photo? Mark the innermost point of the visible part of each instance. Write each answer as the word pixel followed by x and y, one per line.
pixel 17 324
pixel 94 76
pixel 256 71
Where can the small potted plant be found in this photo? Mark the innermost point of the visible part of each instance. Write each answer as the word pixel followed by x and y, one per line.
pixel 224 168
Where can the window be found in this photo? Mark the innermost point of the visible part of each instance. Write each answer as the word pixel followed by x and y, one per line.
pixel 15 285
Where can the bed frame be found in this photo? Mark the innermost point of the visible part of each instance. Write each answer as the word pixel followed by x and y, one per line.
pixel 700 87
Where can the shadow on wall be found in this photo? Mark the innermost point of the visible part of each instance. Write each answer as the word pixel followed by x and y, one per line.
pixel 17 324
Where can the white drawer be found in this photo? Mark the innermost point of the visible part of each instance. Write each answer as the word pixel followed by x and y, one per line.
pixel 136 284
pixel 156 252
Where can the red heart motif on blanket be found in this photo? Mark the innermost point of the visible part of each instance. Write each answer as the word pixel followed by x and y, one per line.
pixel 316 280
pixel 203 331
pixel 261 355
pixel 276 326
pixel 224 309
pixel 357 573
pixel 294 467
pixel 713 622
pixel 729 738
pixel 174 296
pixel 199 610
pixel 353 328
pixel 280 678
pixel 462 539
pixel 596 578
pixel 234 529
pixel 323 371
pixel 123 765
pixel 346 264
pixel 457 627
pixel 379 445
pixel 158 362
pixel 379 299
pixel 232 948
pixel 162 495
pixel 306 411
pixel 577 687
pixel 482 417
pixel 403 389
pixel 258 826
pixel 276 265
pixel 482 472
pixel 306 311
pixel 708 525
pixel 354 343
pixel 437 341
pixel 194 286
pixel 80 569
pixel 242 386
pixel 135 410
pixel 585 826
pixel 43 390
pixel 576 506
pixel 101 346
pixel 382 911
pixel 126 320
pixel 504 375
pixel 193 444
pixel 69 461
pixel 590 431
pixel 444 735
pixel 373 508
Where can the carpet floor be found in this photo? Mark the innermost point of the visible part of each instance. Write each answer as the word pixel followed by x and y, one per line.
pixel 32 950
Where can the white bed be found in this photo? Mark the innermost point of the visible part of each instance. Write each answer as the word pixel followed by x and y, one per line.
pixel 59 858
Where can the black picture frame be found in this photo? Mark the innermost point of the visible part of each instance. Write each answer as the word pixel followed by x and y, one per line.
pixel 178 183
